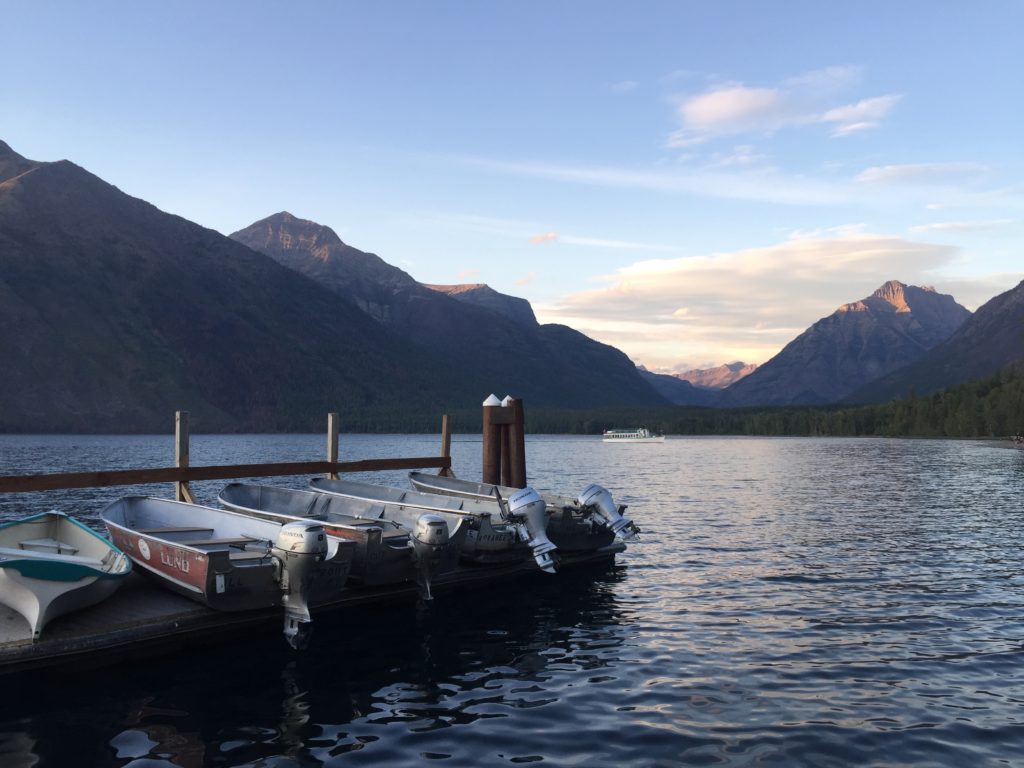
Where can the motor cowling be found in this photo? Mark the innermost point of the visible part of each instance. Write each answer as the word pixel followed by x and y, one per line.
pixel 300 547
pixel 600 502
pixel 528 514
pixel 429 540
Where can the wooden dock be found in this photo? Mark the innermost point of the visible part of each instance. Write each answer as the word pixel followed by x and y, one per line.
pixel 144 617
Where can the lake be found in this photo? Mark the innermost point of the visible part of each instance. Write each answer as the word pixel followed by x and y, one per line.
pixel 793 602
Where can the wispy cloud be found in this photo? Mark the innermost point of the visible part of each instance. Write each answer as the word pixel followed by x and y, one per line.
pixel 530 277
pixel 922 173
pixel 765 185
pixel 624 86
pixel 733 108
pixel 867 113
pixel 961 226
pixel 525 230
pixel 468 274
pixel 748 304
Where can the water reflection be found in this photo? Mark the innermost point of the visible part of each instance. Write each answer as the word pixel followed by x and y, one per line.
pixel 370 673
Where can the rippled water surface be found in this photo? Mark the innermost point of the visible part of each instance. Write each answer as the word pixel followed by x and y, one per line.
pixel 794 602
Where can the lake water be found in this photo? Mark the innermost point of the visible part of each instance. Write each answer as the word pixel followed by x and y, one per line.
pixel 794 602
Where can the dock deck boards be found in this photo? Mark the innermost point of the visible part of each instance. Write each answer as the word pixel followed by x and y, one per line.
pixel 141 613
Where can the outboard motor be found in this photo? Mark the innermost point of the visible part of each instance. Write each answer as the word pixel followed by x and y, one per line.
pixel 599 500
pixel 299 548
pixel 429 540
pixel 528 513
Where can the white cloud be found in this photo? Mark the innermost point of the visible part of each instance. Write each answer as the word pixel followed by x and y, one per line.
pixel 961 226
pixel 765 185
pixel 631 245
pixel 729 109
pixel 732 109
pixel 748 304
pixel 545 237
pixel 624 86
pixel 922 173
pixel 867 113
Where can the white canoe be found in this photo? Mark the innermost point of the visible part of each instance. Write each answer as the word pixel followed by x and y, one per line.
pixel 50 564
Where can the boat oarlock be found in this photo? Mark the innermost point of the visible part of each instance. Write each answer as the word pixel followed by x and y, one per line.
pixel 298 548
pixel 527 512
pixel 600 501
pixel 429 540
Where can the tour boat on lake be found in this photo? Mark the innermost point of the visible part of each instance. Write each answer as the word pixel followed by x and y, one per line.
pixel 642 435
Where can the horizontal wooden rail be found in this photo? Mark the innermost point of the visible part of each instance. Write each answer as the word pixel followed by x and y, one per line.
pixel 104 479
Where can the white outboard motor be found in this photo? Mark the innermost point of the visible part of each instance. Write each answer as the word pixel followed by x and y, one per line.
pixel 299 548
pixel 429 540
pixel 528 514
pixel 599 500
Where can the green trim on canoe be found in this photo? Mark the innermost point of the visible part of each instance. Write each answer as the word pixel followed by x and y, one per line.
pixel 56 570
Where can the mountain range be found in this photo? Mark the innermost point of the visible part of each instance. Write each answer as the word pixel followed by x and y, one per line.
pixel 468 327
pixel 114 314
pixel 857 344
pixel 718 377
pixel 991 339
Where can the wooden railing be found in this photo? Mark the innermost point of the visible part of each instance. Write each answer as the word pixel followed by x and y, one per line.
pixel 182 473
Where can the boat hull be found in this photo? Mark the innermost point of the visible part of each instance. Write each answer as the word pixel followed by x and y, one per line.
pixel 383 552
pixel 484 543
pixel 660 439
pixel 569 527
pixel 51 565
pixel 226 578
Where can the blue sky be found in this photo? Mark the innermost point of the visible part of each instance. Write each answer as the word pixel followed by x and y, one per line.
pixel 694 182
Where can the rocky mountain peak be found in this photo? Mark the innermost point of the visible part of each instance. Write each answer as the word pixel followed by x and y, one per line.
pixel 12 164
pixel 857 344
pixel 718 377
pixel 895 293
pixel 895 296
pixel 286 232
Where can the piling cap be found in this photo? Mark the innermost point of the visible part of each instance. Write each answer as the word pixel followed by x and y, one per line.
pixel 507 401
pixel 492 400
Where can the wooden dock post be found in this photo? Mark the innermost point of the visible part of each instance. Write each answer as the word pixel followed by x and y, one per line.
pixel 492 441
pixel 446 446
pixel 182 492
pixel 504 442
pixel 332 442
pixel 517 444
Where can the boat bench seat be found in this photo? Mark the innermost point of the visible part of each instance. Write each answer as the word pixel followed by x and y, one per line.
pixel 248 555
pixel 48 545
pixel 236 541
pixel 10 553
pixel 172 530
